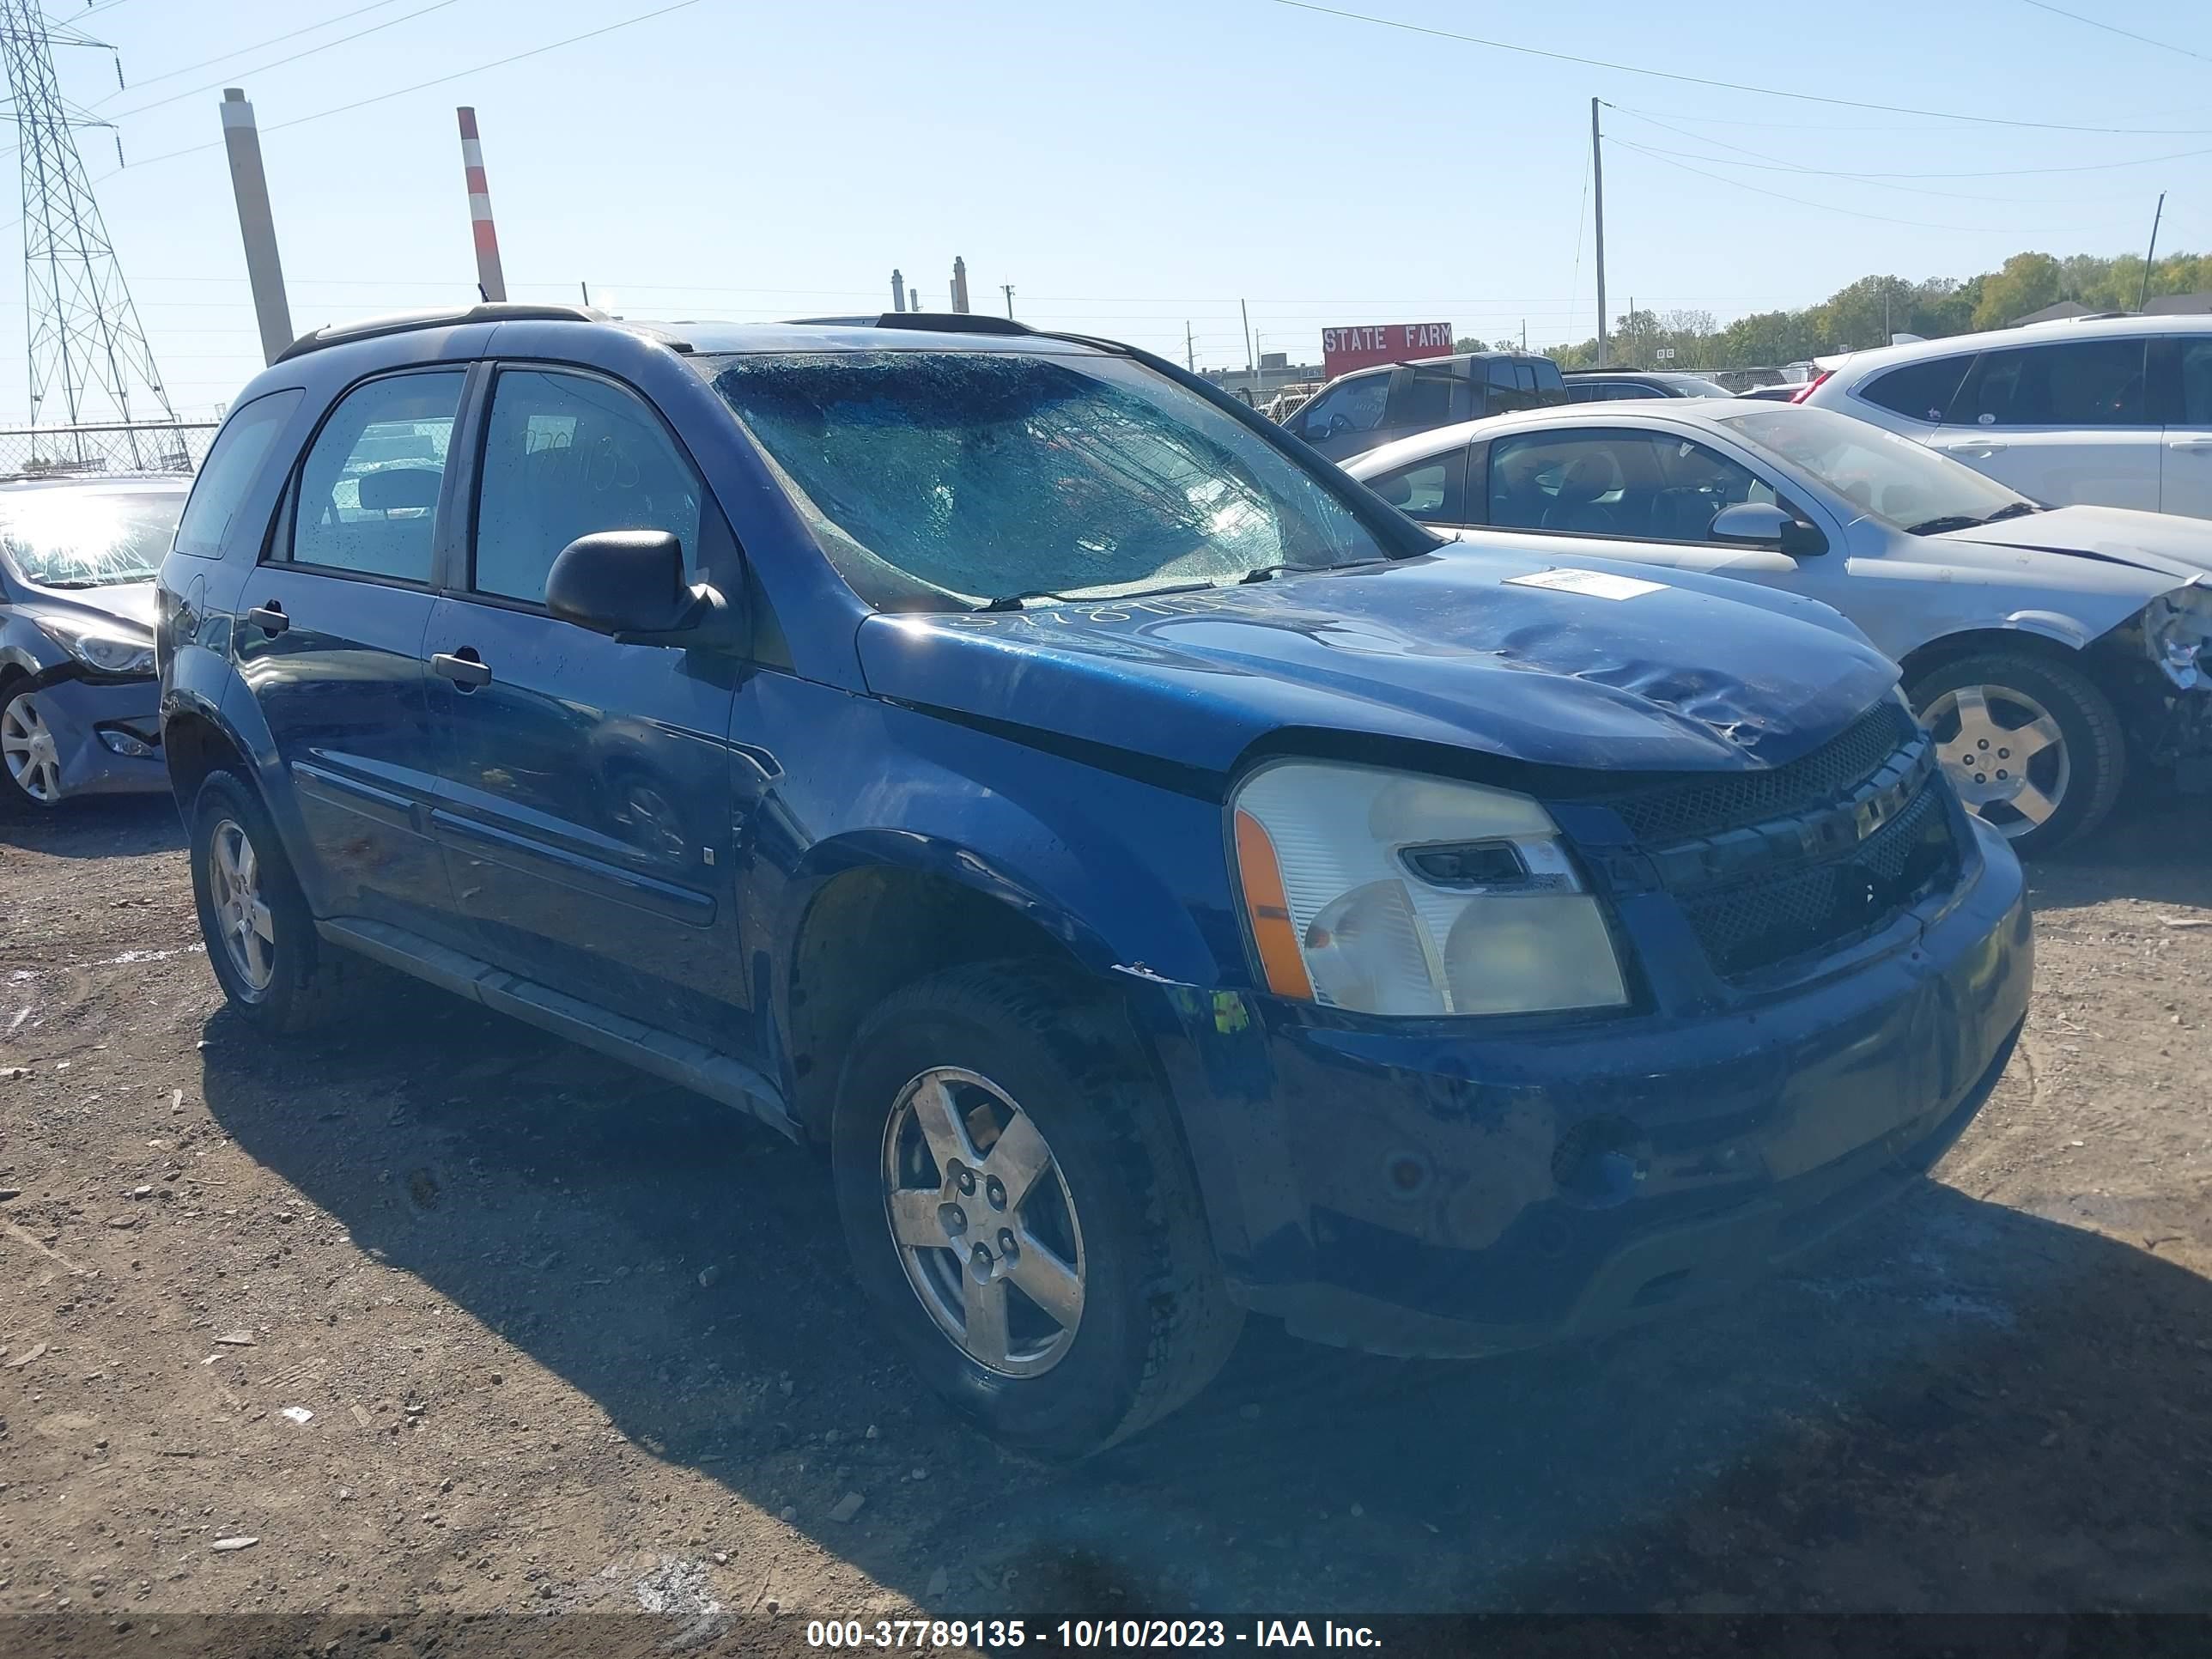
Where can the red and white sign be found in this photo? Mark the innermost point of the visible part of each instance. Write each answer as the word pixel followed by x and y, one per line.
pixel 1343 349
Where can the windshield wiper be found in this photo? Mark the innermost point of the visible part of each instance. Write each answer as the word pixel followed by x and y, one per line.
pixel 1269 572
pixel 1948 521
pixel 1015 601
pixel 2017 510
pixel 69 584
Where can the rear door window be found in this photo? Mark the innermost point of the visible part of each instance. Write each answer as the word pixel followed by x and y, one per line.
pixel 367 493
pixel 1438 397
pixel 2083 383
pixel 1921 391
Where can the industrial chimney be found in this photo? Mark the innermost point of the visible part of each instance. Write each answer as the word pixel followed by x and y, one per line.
pixel 898 290
pixel 959 284
pixel 491 280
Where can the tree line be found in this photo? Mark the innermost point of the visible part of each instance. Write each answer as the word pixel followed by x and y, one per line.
pixel 1870 310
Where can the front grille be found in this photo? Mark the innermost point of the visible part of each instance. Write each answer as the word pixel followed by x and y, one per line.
pixel 1709 803
pixel 1774 866
pixel 1769 919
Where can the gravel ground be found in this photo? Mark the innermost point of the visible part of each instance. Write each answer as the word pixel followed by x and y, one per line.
pixel 446 1315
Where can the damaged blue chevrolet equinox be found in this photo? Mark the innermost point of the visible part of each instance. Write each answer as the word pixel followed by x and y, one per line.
pixel 1166 883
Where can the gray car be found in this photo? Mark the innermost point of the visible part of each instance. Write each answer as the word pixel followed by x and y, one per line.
pixel 2048 649
pixel 79 709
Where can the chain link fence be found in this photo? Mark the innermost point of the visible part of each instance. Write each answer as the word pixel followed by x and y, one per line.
pixel 49 451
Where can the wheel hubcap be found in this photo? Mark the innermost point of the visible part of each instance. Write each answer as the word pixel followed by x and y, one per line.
pixel 28 750
pixel 983 1221
pixel 242 919
pixel 2005 753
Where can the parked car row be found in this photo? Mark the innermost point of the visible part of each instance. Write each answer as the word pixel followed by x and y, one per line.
pixel 1166 882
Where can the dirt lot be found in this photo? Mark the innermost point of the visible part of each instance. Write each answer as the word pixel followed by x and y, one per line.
pixel 573 1342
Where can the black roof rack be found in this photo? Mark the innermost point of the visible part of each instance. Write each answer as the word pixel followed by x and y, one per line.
pixel 402 322
pixel 931 322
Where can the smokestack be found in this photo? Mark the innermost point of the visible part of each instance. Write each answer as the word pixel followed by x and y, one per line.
pixel 959 284
pixel 898 290
pixel 263 269
pixel 489 278
pixel 913 298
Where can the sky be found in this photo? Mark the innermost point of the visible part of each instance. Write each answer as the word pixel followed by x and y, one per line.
pixel 1132 167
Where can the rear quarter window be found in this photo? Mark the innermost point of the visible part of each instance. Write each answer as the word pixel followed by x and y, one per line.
pixel 233 463
pixel 1919 392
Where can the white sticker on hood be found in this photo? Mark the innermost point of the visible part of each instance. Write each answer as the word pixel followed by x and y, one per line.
pixel 1597 583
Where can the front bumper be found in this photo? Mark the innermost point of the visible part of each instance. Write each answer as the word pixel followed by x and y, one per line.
pixel 77 709
pixel 1433 1191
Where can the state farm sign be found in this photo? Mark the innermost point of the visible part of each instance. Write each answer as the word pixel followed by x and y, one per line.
pixel 1343 349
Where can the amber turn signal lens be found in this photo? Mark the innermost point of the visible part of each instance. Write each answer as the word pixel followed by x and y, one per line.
pixel 1272 931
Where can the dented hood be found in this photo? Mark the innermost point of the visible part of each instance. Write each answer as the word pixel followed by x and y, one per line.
pixel 2163 543
pixel 1624 671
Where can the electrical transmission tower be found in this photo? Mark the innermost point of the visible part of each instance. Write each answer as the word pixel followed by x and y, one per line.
pixel 84 338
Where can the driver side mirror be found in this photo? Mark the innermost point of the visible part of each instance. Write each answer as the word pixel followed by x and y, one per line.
pixel 1764 524
pixel 629 584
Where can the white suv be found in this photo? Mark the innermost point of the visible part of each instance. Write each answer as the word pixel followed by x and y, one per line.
pixel 2114 412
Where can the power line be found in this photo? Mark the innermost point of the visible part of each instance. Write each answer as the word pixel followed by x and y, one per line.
pixel 438 81
pixel 240 51
pixel 1727 86
pixel 1882 181
pixel 1986 172
pixel 1829 207
pixel 306 52
pixel 2114 28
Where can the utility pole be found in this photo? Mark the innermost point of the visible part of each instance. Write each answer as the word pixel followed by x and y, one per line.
pixel 264 271
pixel 1251 362
pixel 1009 288
pixel 1189 350
pixel 1597 195
pixel 2143 298
pixel 1524 336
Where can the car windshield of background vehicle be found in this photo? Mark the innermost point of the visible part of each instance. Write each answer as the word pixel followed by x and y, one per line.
pixel 939 477
pixel 70 538
pixel 1888 477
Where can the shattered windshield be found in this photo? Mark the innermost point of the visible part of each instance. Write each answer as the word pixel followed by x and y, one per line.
pixel 71 538
pixel 951 477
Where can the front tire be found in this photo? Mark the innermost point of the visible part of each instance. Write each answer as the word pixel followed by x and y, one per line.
pixel 261 938
pixel 1020 1208
pixel 30 761
pixel 2033 747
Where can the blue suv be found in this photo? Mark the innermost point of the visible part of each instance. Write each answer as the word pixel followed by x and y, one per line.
pixel 1165 882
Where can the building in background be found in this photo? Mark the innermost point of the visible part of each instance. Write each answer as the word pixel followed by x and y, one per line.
pixel 1276 371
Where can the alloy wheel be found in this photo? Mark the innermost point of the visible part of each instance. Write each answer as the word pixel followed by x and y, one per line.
pixel 983 1222
pixel 242 918
pixel 2006 754
pixel 28 750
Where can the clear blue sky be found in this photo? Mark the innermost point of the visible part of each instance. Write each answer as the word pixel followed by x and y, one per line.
pixel 1127 166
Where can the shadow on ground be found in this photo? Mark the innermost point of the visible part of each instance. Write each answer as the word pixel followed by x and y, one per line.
pixel 117 826
pixel 1957 1407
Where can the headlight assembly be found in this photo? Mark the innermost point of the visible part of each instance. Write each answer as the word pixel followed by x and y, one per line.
pixel 2177 632
pixel 1392 893
pixel 105 647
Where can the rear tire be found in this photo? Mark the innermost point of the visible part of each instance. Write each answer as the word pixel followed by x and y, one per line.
pixel 1035 1078
pixel 261 940
pixel 2035 748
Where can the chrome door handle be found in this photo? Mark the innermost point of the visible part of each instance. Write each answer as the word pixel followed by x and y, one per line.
pixel 269 618
pixel 465 668
pixel 2191 446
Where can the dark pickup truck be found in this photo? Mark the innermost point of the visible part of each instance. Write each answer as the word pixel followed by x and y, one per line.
pixel 1165 882
pixel 1357 412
